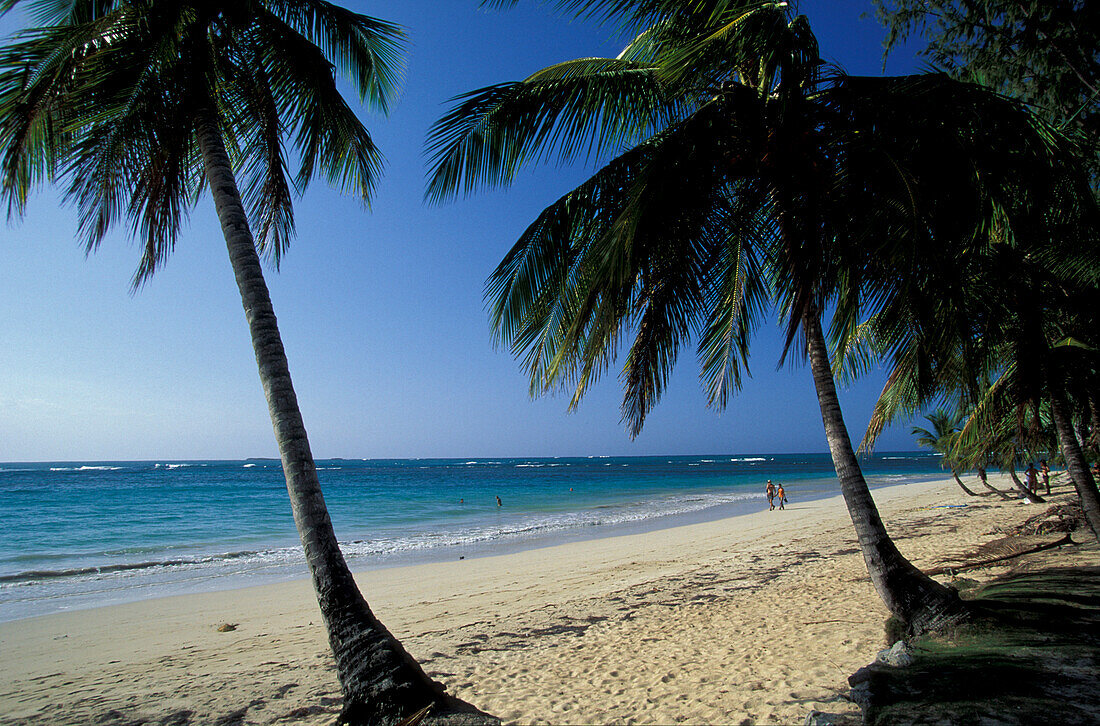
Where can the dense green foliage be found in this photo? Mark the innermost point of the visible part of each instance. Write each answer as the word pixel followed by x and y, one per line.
pixel 752 172
pixel 1045 52
pixel 1027 363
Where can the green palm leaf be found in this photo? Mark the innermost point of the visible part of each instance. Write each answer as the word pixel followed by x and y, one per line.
pixel 587 106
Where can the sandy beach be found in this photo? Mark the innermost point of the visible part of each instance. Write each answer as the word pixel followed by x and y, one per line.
pixel 755 619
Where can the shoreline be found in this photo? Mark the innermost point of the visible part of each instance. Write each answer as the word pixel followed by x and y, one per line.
pixel 759 616
pixel 171 582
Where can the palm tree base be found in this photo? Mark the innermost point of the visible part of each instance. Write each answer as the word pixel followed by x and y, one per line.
pixel 947 612
pixel 444 711
pixel 383 685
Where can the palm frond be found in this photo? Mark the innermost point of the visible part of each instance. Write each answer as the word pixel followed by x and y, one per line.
pixel 630 242
pixel 106 98
pixel 368 51
pixel 589 106
pixel 736 292
pixel 329 138
pixel 253 112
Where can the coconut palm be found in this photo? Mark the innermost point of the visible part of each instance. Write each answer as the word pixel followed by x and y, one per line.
pixel 1022 363
pixel 1005 325
pixel 744 167
pixel 1018 418
pixel 984 477
pixel 138 106
pixel 1002 441
pixel 941 438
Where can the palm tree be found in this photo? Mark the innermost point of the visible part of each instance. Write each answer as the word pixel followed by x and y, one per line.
pixel 998 442
pixel 985 482
pixel 140 104
pixel 941 438
pixel 744 169
pixel 1023 356
pixel 1093 442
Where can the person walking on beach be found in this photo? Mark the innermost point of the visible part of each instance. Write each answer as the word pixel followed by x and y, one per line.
pixel 771 495
pixel 781 495
pixel 1032 478
pixel 1045 469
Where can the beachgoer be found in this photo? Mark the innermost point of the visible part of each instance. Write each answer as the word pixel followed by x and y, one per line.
pixel 499 503
pixel 781 495
pixel 1045 469
pixel 771 495
pixel 1032 478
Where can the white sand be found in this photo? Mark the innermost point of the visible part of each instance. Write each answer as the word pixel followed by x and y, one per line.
pixel 753 619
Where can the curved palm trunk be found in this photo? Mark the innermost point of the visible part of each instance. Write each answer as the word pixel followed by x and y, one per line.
pixel 919 601
pixel 382 683
pixel 1031 496
pixel 987 485
pixel 1075 462
pixel 961 485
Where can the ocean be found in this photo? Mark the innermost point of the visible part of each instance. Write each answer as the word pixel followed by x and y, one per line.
pixel 84 534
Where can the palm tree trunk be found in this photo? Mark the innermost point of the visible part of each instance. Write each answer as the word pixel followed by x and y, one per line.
pixel 985 482
pixel 1093 441
pixel 1075 462
pixel 960 483
pixel 1082 430
pixel 1031 496
pixel 381 682
pixel 916 599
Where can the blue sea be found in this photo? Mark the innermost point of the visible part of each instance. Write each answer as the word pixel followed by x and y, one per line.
pixel 84 534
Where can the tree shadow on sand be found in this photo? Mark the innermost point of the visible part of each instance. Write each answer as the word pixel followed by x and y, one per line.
pixel 1031 655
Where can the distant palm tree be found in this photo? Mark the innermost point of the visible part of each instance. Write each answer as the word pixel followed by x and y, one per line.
pixel 981 440
pixel 141 104
pixel 984 477
pixel 942 438
pixel 746 170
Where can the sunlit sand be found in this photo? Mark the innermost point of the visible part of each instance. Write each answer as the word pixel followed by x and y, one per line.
pixel 753 619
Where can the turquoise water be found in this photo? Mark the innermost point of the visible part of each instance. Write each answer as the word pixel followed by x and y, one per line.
pixel 83 534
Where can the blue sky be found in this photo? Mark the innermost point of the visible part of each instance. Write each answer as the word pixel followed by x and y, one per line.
pixel 381 312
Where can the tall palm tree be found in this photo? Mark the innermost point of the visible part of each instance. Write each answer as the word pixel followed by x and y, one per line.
pixel 744 168
pixel 941 438
pixel 138 105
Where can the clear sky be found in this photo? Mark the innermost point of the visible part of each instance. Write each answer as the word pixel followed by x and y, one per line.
pixel 381 311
